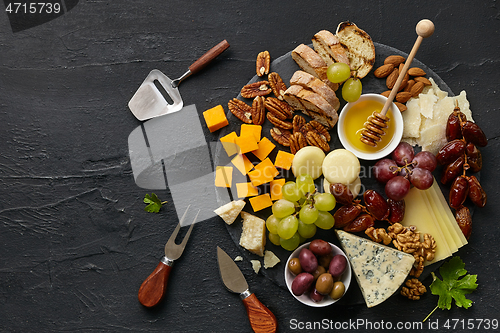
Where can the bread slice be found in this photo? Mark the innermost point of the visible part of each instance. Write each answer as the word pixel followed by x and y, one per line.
pixel 359 46
pixel 311 62
pixel 328 46
pixel 312 104
pixel 308 81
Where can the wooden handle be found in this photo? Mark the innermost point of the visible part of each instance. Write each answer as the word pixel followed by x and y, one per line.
pixel 209 56
pixel 261 318
pixel 153 288
pixel 425 28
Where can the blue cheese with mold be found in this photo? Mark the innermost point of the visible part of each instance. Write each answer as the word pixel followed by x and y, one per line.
pixel 379 269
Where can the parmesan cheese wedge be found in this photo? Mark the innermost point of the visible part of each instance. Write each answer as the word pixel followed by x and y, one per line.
pixel 253 235
pixel 270 259
pixel 230 211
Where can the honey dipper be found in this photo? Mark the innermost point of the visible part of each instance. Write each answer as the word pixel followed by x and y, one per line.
pixel 374 126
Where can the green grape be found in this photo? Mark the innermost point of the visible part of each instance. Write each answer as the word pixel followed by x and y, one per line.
pixel 301 239
pixel 274 238
pixel 351 90
pixel 290 191
pixel 288 227
pixel 291 243
pixel 306 230
pixel 338 72
pixel 324 201
pixel 305 183
pixel 325 220
pixel 282 208
pixel 272 224
pixel 308 214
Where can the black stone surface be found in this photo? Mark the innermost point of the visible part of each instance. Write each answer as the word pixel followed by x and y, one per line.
pixel 75 243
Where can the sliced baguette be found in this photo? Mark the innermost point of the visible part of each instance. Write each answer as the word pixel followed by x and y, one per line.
pixel 329 48
pixel 308 81
pixel 311 62
pixel 312 104
pixel 359 46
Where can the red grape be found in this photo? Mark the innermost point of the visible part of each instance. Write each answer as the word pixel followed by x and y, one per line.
pixel 383 170
pixel 425 160
pixel 403 153
pixel 397 188
pixel 421 178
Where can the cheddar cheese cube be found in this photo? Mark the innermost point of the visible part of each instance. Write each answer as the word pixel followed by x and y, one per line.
pixel 250 129
pixel 283 160
pixel 260 202
pixel 228 143
pixel 244 190
pixel 265 147
pixel 223 176
pixel 246 143
pixel 264 172
pixel 275 190
pixel 215 118
pixel 242 163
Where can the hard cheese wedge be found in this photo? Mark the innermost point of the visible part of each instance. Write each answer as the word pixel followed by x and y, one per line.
pixel 417 213
pixel 379 270
pixel 253 235
pixel 230 211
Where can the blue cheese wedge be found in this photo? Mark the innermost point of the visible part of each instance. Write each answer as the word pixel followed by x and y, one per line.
pixel 230 211
pixel 253 235
pixel 379 269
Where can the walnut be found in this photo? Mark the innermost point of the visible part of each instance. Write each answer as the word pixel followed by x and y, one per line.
pixel 252 90
pixel 418 266
pixel 428 247
pixel 378 235
pixel 406 239
pixel 263 63
pixel 413 289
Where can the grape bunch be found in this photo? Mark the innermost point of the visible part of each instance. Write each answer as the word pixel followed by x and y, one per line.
pixel 403 169
pixel 302 210
pixel 458 156
pixel 356 217
pixel 339 72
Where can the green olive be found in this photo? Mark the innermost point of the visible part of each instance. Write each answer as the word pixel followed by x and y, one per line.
pixel 324 284
pixel 338 290
pixel 294 266
pixel 320 270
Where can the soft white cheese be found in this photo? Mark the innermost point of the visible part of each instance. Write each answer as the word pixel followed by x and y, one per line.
pixel 379 269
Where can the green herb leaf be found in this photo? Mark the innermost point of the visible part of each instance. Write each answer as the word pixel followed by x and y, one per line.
pixel 154 203
pixel 452 287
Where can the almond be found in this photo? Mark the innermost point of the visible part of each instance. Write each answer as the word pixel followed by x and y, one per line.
pixel 392 78
pixel 405 78
pixel 417 89
pixel 409 85
pixel 401 106
pixel 403 96
pixel 394 60
pixel 424 80
pixel 386 93
pixel 383 71
pixel 416 71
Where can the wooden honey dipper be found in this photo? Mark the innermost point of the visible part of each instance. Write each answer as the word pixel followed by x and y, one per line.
pixel 374 126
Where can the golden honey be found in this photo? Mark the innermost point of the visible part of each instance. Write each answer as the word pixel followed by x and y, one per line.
pixel 354 123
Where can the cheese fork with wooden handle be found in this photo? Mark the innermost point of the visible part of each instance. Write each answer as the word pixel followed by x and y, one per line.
pixel 154 287
pixel 261 318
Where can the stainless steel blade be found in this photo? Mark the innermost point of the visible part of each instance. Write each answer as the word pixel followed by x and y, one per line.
pixel 230 273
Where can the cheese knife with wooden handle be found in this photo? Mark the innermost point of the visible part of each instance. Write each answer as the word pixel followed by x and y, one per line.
pixel 261 318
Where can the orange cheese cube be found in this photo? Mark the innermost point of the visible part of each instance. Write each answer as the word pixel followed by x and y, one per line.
pixel 276 186
pixel 223 176
pixel 283 160
pixel 244 190
pixel 260 202
pixel 242 163
pixel 228 143
pixel 255 130
pixel 264 172
pixel 265 147
pixel 215 118
pixel 246 143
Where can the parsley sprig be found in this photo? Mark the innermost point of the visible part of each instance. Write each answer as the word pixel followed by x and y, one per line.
pixel 452 286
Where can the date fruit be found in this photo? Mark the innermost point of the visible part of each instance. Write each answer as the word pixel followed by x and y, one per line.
pixel 376 204
pixel 450 151
pixel 474 157
pixel 453 170
pixel 476 192
pixel 361 223
pixel 341 193
pixel 458 192
pixel 453 128
pixel 397 210
pixel 473 133
pixel 464 221
pixel 346 214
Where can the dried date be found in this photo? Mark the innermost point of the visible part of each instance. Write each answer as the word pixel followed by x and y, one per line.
pixel 397 210
pixel 459 192
pixel 473 133
pixel 346 214
pixel 464 221
pixel 476 192
pixel 453 128
pixel 450 152
pixel 474 157
pixel 453 170
pixel 361 223
pixel 341 193
pixel 376 204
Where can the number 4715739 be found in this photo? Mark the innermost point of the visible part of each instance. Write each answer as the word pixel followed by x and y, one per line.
pixel 471 324
pixel 33 8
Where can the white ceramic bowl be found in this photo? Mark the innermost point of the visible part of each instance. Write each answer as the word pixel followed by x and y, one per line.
pixel 305 299
pixel 396 118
